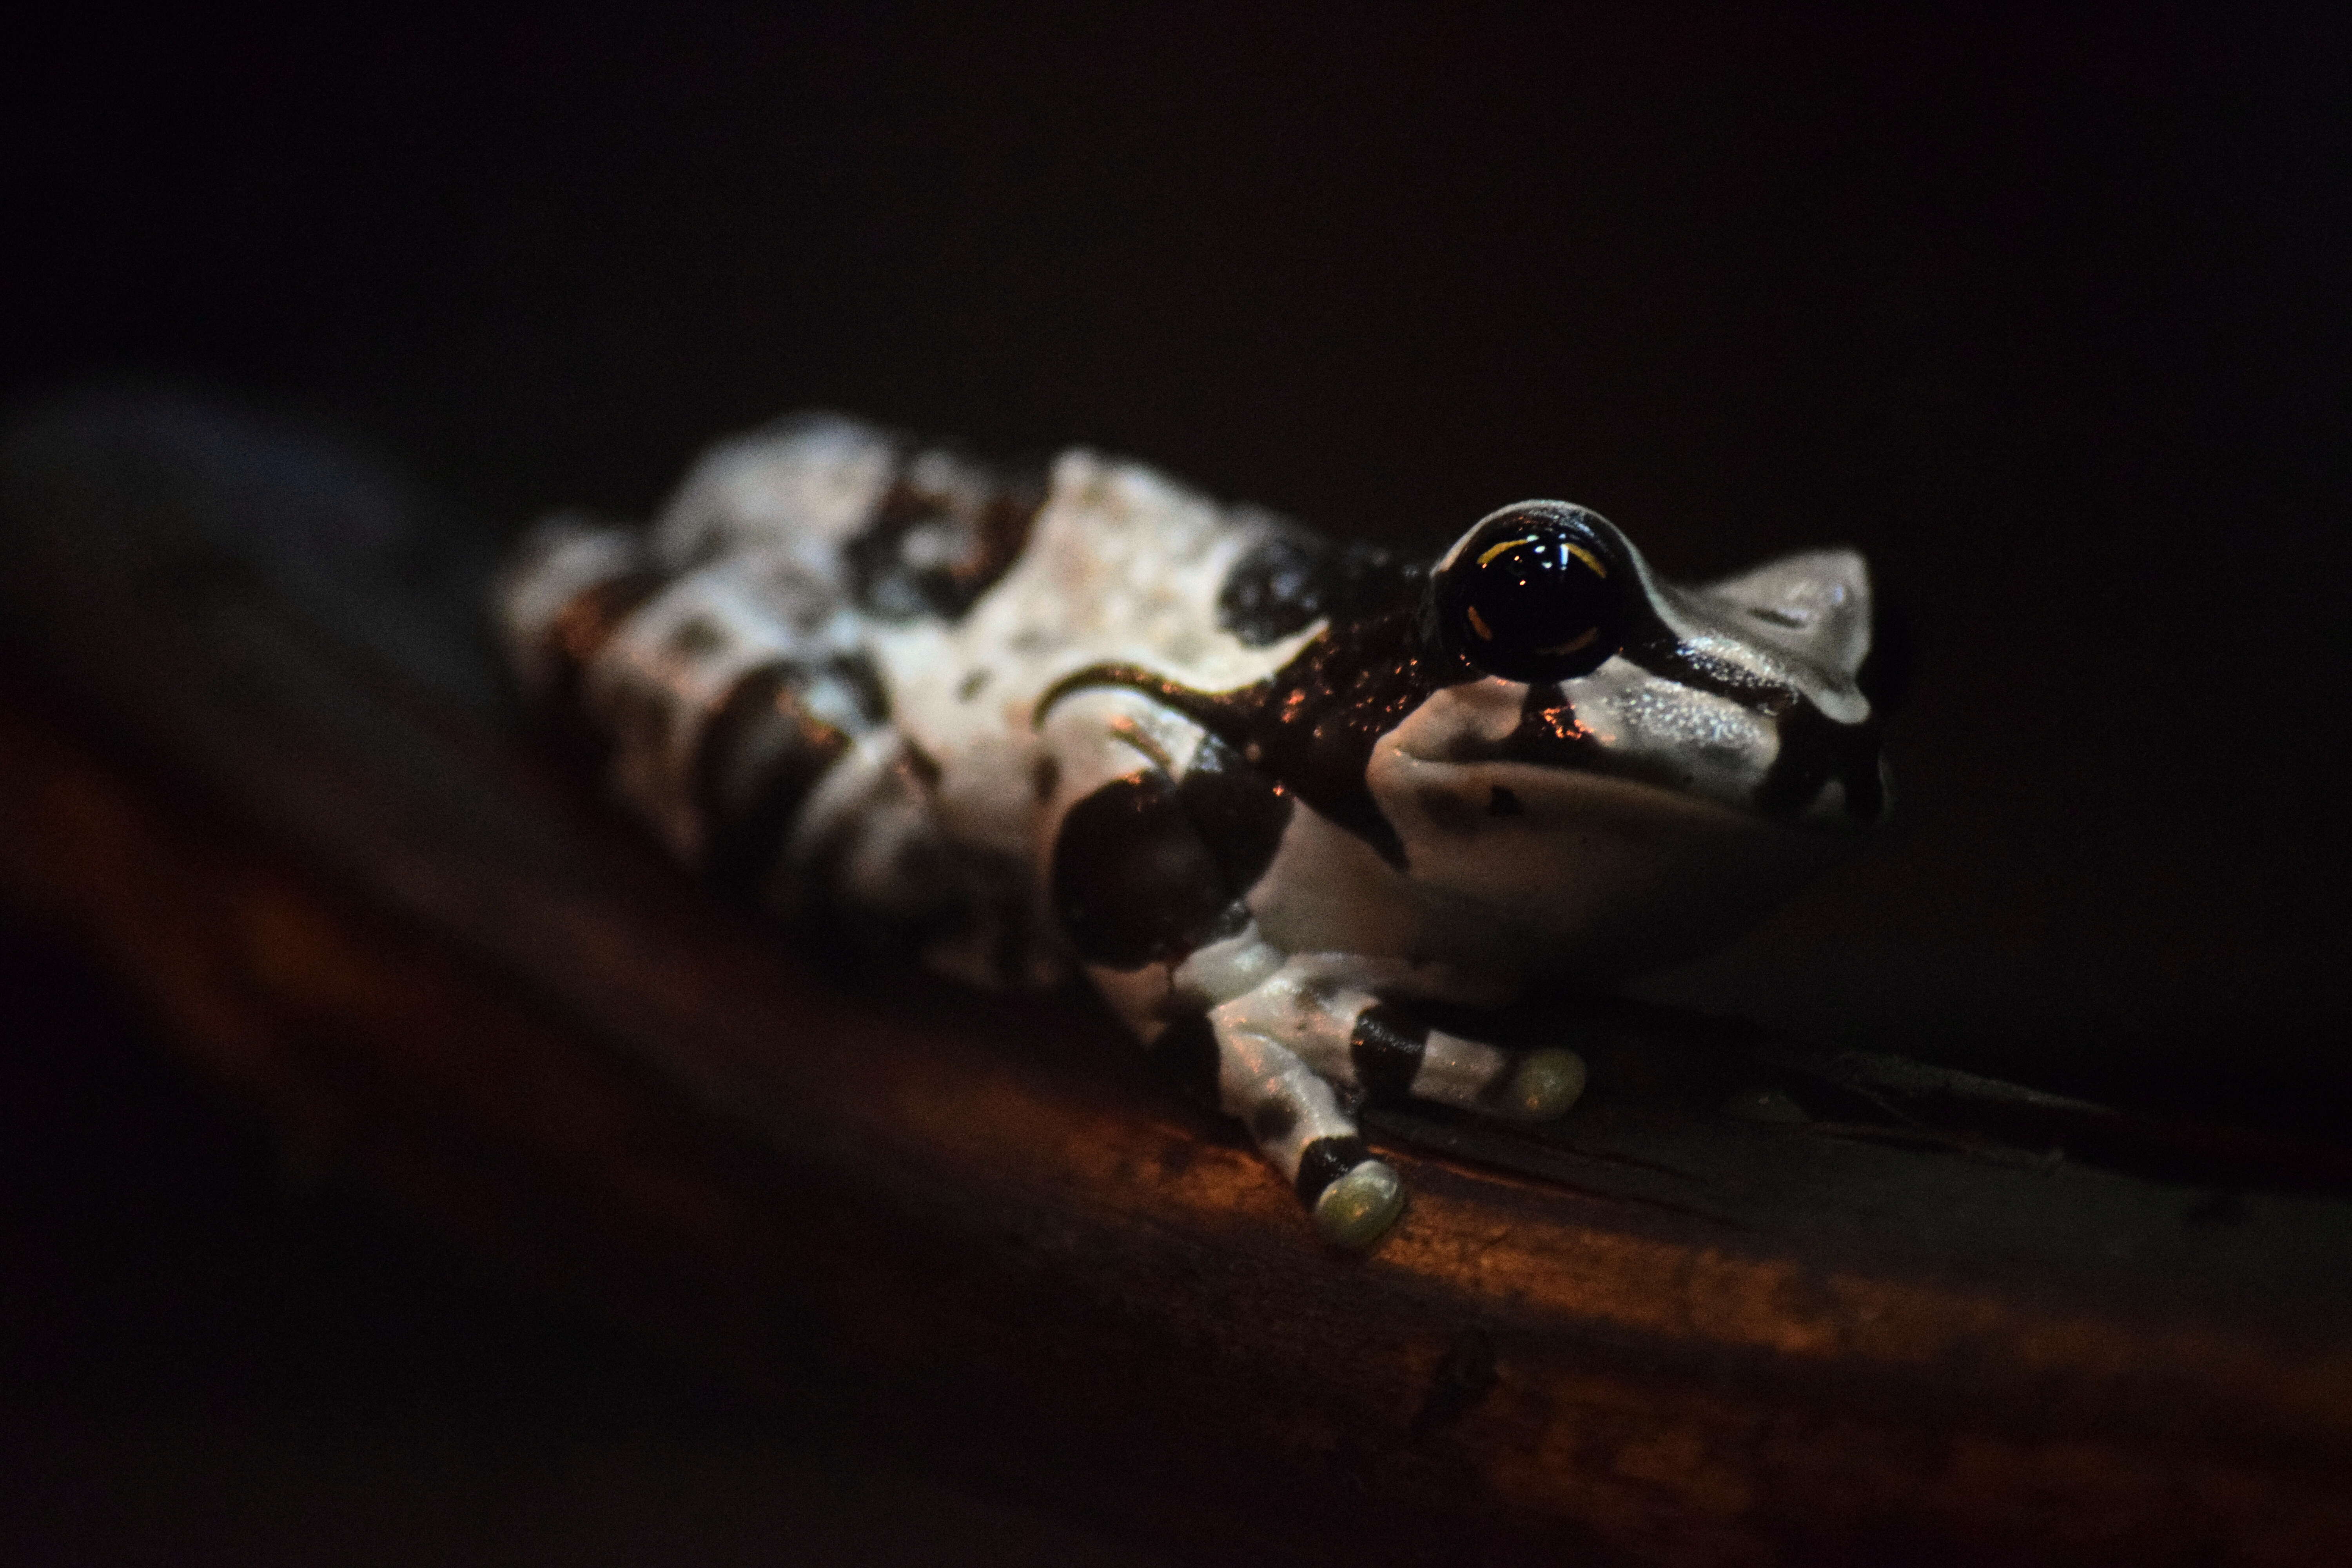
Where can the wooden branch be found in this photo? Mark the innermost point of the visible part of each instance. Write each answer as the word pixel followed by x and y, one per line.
pixel 1750 1302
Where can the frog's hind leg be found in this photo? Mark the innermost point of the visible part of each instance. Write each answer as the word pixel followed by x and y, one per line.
pixel 723 654
pixel 740 715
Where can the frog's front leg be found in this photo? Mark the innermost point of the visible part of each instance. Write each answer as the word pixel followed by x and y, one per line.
pixel 1324 1008
pixel 1160 832
pixel 1300 1119
pixel 1299 1050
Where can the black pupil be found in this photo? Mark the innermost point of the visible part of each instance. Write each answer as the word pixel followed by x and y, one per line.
pixel 1533 600
pixel 1535 594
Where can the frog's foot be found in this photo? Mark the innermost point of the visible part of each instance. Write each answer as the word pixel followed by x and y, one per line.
pixel 1386 1054
pixel 1290 1053
pixel 1298 1122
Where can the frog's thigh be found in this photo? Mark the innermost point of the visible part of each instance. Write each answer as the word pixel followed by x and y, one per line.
pixel 1348 1034
pixel 735 733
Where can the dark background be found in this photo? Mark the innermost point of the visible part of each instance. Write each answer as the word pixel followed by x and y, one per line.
pixel 2049 315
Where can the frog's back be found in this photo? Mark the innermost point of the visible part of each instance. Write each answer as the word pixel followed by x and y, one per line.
pixel 831 628
pixel 1121 567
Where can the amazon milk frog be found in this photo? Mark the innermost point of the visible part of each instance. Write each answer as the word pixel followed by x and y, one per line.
pixel 1270 794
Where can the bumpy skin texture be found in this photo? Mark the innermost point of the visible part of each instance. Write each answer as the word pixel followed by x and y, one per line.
pixel 1268 792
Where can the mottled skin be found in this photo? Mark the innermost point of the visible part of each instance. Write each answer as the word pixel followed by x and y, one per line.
pixel 1268 793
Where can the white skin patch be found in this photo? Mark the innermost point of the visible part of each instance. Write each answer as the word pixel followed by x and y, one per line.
pixel 560 558
pixel 1123 566
pixel 1632 841
pixel 805 487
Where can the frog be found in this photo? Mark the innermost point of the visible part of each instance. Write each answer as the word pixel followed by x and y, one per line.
pixel 1288 804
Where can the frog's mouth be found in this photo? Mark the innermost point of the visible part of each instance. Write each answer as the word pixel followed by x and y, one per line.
pixel 1490 795
pixel 1782 762
pixel 1622 874
pixel 1555 795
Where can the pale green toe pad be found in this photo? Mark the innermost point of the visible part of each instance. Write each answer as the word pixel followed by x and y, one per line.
pixel 1357 1209
pixel 1544 1085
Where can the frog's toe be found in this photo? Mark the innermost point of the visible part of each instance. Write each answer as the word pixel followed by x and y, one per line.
pixel 1357 1209
pixel 1542 1086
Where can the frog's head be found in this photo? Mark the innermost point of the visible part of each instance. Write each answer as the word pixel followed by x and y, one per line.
pixel 1749 692
pixel 1619 741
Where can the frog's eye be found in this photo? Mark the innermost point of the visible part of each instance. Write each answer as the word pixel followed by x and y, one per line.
pixel 1536 592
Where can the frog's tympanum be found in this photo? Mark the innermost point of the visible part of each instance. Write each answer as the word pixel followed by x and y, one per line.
pixel 1271 794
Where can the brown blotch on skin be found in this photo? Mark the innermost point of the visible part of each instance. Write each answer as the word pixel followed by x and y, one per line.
pixel 982 512
pixel 696 637
pixel 759 758
pixel 1132 881
pixel 589 619
pixel 1272 1120
pixel 1450 811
